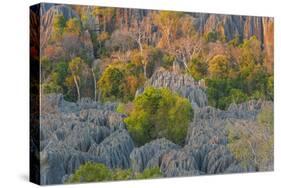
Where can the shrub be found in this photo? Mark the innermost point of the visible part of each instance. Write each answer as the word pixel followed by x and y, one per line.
pixel 90 172
pixel 252 144
pixel 159 113
pixel 124 108
pixel 118 82
pixel 237 96
pixel 197 68
pixel 149 173
pixel 122 174
pixel 112 83
pixel 219 67
pixel 211 36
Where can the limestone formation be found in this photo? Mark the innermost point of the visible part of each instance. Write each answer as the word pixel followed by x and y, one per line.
pixel 150 154
pixel 183 84
pixel 74 133
pixel 116 149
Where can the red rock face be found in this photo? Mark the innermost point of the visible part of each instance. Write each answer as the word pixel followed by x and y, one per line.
pixel 268 40
pixel 46 20
pixel 245 27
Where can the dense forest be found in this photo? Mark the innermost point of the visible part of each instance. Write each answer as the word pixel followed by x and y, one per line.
pixel 107 54
pixel 167 74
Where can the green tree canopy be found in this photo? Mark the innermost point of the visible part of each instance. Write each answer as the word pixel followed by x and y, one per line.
pixel 219 67
pixel 73 26
pixel 197 68
pixel 119 82
pixel 159 113
pixel 58 27
pixel 90 172
pixel 74 78
pixel 93 172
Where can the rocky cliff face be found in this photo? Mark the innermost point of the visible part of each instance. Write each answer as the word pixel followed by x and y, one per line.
pixel 229 26
pixel 184 85
pixel 73 133
pixel 149 155
pixel 232 25
pixel 47 12
pixel 242 26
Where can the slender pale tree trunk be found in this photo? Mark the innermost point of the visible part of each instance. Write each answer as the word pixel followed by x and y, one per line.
pixel 95 82
pixel 144 68
pixel 141 53
pixel 77 87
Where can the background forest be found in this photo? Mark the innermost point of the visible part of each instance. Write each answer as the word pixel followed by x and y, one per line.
pixel 108 53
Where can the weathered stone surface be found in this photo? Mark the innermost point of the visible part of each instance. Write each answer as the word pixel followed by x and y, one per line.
pixel 183 84
pixel 48 12
pixel 179 163
pixel 116 149
pixel 206 149
pixel 245 27
pixel 55 103
pixel 150 154
pixel 217 160
pixel 74 133
pixel 59 159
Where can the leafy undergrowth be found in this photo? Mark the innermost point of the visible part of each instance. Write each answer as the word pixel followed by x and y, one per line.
pixel 95 172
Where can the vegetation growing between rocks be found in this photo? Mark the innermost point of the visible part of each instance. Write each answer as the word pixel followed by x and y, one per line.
pixel 253 145
pixel 92 172
pixel 159 113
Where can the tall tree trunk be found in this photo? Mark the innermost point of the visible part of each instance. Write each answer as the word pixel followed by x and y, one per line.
pixel 95 82
pixel 104 24
pixel 144 68
pixel 141 53
pixel 77 87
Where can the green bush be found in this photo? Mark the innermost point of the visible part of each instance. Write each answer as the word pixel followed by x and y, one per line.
pixel 112 83
pixel 211 36
pixel 197 68
pixel 159 113
pixel 219 67
pixel 149 173
pixel 119 82
pixel 122 174
pixel 92 172
pixel 168 60
pixel 237 96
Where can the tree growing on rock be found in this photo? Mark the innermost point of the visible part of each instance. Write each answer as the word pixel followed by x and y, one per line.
pixel 118 82
pixel 74 67
pixel 197 68
pixel 159 113
pixel 93 172
pixel 168 22
pixel 219 67
pixel 252 143
pixel 90 172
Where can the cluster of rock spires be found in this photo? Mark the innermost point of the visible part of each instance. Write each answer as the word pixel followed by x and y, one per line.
pixel 183 84
pixel 74 133
pixel 205 150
